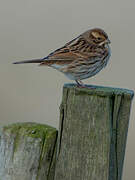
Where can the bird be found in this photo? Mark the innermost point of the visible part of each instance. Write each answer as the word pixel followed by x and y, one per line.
pixel 80 58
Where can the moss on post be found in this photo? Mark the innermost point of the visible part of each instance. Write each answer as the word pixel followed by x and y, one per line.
pixel 93 132
pixel 27 151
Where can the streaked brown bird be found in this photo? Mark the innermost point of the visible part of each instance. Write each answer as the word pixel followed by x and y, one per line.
pixel 81 58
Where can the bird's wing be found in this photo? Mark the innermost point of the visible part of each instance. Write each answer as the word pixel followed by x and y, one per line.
pixel 76 50
pixel 68 53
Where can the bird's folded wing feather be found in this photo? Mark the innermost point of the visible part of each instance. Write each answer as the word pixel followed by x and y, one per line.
pixel 77 49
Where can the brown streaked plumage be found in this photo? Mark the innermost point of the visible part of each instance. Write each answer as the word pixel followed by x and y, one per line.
pixel 81 58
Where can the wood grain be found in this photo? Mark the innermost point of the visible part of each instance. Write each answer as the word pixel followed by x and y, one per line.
pixel 93 132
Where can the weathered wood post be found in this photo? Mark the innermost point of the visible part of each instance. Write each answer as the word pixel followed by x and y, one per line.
pixel 93 132
pixel 27 152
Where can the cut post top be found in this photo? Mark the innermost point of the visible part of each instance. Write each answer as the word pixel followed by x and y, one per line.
pixel 30 129
pixel 99 90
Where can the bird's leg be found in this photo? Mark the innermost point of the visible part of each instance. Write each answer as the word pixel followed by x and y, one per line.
pixel 80 83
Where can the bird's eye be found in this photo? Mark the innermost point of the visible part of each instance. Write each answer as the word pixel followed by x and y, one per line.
pixel 99 38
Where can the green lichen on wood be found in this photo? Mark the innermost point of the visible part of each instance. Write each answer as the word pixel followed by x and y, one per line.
pixel 33 141
pixel 33 130
pixel 30 129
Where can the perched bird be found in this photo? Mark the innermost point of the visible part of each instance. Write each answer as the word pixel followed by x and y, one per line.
pixel 81 58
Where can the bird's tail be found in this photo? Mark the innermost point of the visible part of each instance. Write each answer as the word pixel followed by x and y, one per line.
pixel 30 61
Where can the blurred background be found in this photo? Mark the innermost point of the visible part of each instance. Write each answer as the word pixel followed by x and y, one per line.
pixel 32 29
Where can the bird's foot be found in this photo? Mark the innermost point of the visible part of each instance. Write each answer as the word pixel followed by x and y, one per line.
pixel 80 84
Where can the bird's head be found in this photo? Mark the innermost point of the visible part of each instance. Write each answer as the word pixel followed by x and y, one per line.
pixel 97 36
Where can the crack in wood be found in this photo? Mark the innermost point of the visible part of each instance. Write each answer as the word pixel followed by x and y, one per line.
pixel 63 109
pixel 116 103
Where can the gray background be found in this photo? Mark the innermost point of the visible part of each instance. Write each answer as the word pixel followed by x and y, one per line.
pixel 34 28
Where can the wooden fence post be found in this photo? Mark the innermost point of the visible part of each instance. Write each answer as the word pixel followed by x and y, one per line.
pixel 27 152
pixel 93 132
